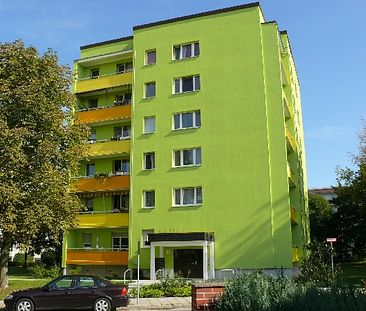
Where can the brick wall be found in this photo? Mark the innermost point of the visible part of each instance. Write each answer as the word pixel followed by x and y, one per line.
pixel 203 296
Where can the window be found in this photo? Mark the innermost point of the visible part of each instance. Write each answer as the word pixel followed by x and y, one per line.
pixel 187 50
pixel 149 199
pixel 149 161
pixel 93 103
pixel 89 202
pixel 63 283
pixel 187 84
pixel 187 196
pixel 90 169
pixel 187 157
pixel 121 132
pixel 94 73
pixel 122 99
pixel 145 240
pixel 87 240
pixel 150 89
pixel 93 135
pixel 124 67
pixel 119 242
pixel 86 282
pixel 121 167
pixel 186 120
pixel 149 125
pixel 120 203
pixel 150 58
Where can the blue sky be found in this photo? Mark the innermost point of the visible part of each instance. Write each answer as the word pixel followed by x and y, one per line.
pixel 327 39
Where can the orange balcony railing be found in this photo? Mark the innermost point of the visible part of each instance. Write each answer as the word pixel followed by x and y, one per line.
pixel 97 256
pixel 103 184
pixel 103 82
pixel 104 114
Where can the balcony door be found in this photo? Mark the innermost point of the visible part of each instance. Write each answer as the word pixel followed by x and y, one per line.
pixel 119 242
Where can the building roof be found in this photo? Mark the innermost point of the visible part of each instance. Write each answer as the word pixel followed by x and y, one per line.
pixel 182 18
pixel 106 42
pixel 321 190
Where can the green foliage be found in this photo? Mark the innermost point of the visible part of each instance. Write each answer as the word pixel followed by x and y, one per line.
pixel 169 287
pixel 320 213
pixel 316 267
pixel 40 147
pixel 19 259
pixel 42 272
pixel 257 291
pixel 48 258
pixel 75 270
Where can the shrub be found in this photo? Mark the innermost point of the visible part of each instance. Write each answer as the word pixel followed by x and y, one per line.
pixel 257 291
pixel 316 267
pixel 168 287
pixel 42 272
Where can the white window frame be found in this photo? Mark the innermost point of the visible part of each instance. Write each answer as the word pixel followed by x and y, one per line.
pixel 180 46
pixel 144 199
pixel 145 89
pixel 181 157
pixel 144 161
pixel 181 191
pixel 180 79
pixel 146 57
pixel 144 129
pixel 144 234
pixel 194 118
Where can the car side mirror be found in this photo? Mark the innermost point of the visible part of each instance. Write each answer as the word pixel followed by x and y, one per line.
pixel 45 288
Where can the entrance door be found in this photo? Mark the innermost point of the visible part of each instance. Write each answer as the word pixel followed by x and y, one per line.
pixel 189 263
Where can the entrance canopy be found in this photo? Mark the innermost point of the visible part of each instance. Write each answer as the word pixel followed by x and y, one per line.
pixel 188 239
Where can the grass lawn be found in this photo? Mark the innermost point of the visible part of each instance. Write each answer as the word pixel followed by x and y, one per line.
pixel 354 272
pixel 15 285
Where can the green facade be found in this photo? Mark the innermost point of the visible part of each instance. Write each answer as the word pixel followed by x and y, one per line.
pixel 246 73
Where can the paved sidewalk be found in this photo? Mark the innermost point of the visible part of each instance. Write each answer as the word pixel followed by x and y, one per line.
pixel 170 303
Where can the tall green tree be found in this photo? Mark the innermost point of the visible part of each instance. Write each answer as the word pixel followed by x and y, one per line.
pixel 349 221
pixel 320 214
pixel 40 147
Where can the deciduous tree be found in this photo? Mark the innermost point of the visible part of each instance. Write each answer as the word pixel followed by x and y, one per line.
pixel 40 147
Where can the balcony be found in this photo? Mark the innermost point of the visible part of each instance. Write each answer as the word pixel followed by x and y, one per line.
pixel 103 184
pixel 291 176
pixel 295 254
pixel 102 220
pixel 287 108
pixel 96 256
pixel 290 141
pixel 106 114
pixel 294 216
pixel 102 149
pixel 103 82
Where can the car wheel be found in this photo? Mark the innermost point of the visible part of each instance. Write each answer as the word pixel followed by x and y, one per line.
pixel 24 304
pixel 101 304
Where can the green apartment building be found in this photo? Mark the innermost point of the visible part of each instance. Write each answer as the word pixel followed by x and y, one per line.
pixel 197 149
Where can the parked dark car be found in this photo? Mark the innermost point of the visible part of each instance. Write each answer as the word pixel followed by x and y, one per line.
pixel 70 292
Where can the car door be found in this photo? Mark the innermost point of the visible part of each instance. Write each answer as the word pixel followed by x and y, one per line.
pixel 58 295
pixel 85 291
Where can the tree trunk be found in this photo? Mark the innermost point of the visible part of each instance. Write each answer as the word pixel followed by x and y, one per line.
pixel 4 258
pixel 25 259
